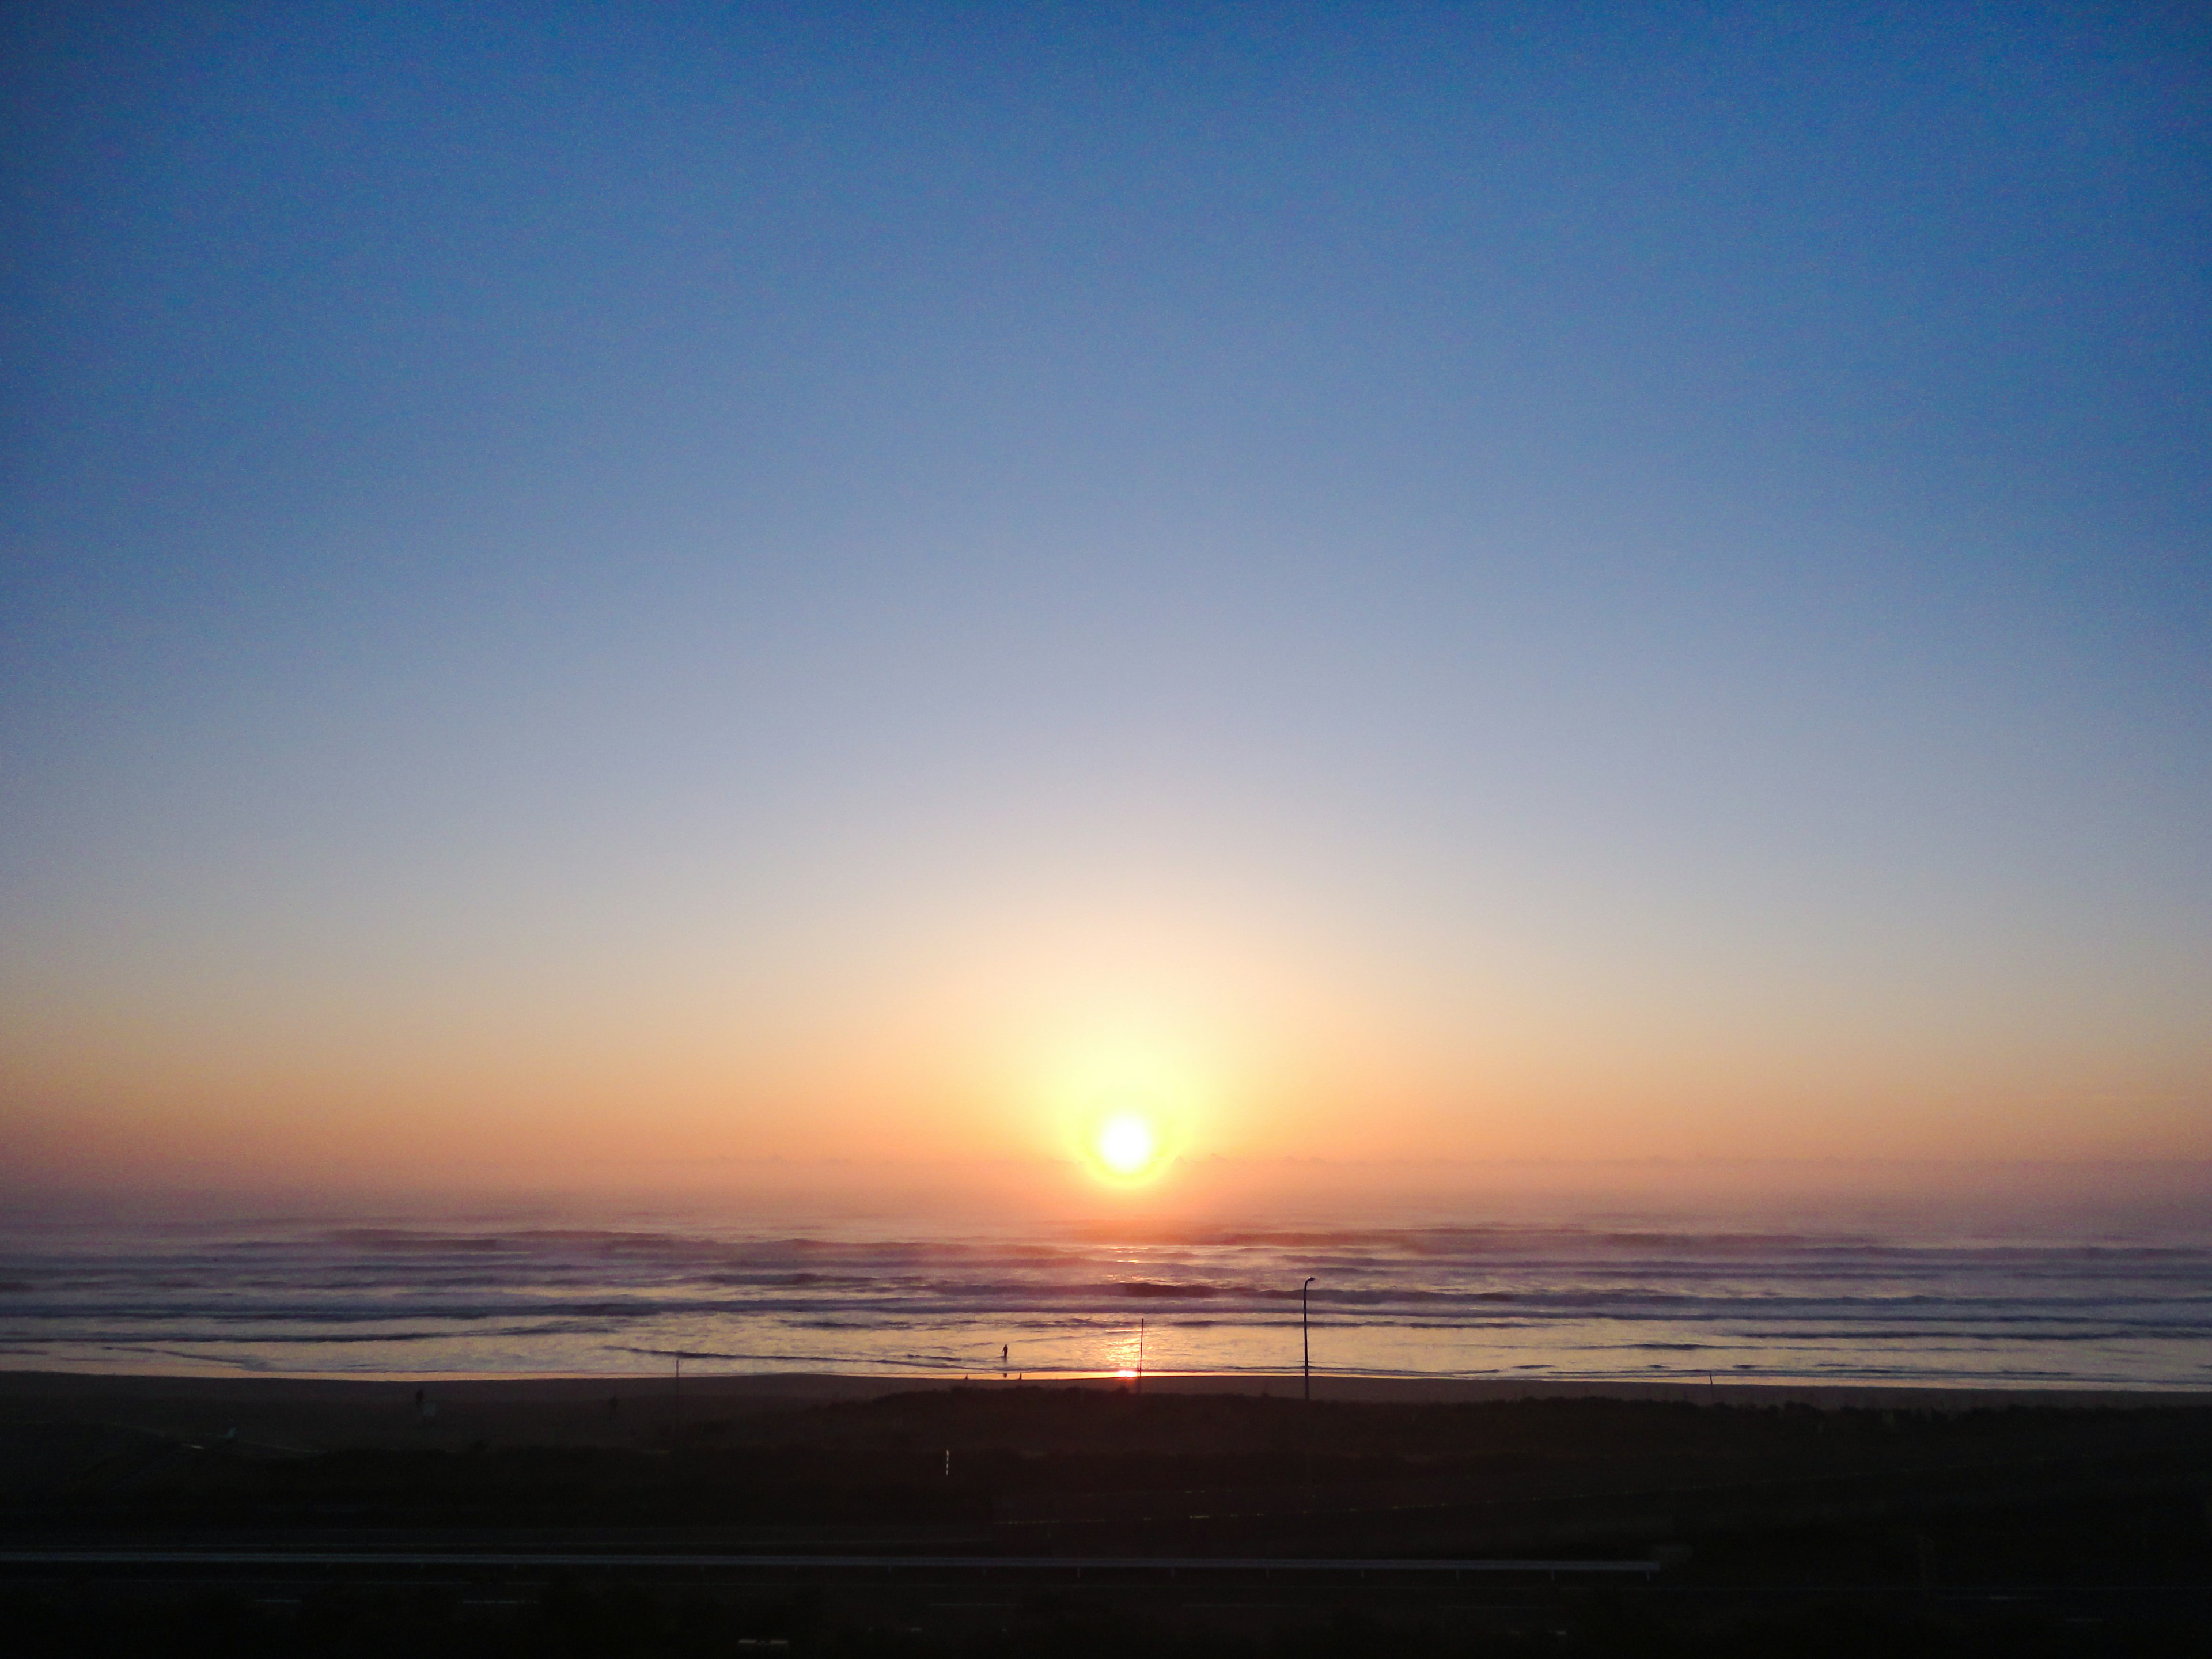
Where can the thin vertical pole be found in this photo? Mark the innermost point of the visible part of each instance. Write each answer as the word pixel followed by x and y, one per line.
pixel 1305 1336
pixel 1140 1356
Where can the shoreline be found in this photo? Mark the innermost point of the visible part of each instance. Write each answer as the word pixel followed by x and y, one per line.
pixel 801 1388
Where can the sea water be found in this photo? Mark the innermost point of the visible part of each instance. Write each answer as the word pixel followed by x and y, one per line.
pixel 486 1293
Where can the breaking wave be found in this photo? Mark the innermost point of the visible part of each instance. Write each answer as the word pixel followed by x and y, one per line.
pixel 1446 1301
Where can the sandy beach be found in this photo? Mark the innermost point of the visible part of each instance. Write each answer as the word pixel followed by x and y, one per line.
pixel 319 1413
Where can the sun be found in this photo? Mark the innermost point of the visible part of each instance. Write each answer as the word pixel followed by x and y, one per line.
pixel 1127 1145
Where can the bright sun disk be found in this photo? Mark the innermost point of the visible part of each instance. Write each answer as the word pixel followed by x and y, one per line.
pixel 1127 1144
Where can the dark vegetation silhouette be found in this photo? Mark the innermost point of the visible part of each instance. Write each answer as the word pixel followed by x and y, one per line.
pixel 2022 1530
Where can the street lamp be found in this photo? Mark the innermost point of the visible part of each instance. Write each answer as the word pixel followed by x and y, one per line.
pixel 1305 1334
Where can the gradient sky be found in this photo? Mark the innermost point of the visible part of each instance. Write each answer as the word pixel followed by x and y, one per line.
pixel 591 589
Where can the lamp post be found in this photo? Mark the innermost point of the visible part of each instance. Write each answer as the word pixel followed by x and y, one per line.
pixel 1305 1336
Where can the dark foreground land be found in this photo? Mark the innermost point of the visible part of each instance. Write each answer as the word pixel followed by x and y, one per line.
pixel 583 1518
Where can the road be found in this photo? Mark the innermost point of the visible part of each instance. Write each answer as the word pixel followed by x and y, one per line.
pixel 978 1564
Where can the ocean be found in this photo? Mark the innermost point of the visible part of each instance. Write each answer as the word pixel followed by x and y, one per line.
pixel 1595 1299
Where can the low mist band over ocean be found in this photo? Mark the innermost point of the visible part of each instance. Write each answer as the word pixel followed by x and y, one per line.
pixel 1594 1298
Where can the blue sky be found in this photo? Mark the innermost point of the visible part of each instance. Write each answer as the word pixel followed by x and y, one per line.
pixel 1679 535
